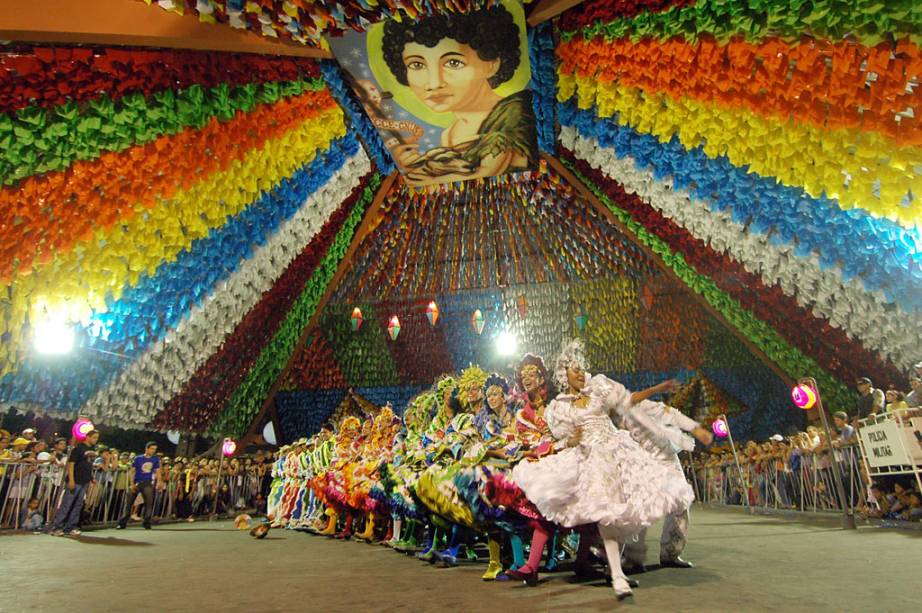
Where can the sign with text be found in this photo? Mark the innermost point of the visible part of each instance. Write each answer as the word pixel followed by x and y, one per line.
pixel 889 443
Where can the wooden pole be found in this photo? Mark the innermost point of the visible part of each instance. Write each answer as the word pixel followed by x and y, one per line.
pixel 563 171
pixel 548 9
pixel 369 223
pixel 133 23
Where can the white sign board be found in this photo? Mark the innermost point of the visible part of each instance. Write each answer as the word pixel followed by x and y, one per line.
pixel 888 443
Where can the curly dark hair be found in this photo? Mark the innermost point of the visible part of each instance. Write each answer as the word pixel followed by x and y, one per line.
pixel 491 32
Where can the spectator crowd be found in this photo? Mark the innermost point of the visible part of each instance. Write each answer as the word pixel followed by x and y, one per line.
pixel 795 472
pixel 34 479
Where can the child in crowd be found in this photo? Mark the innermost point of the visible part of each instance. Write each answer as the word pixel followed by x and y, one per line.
pixel 32 519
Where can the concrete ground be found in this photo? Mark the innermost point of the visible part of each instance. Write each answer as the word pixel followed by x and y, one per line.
pixel 743 563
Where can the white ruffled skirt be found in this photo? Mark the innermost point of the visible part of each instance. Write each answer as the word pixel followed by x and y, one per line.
pixel 608 478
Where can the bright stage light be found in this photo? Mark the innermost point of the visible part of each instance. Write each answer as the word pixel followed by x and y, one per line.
pixel 506 343
pixel 53 337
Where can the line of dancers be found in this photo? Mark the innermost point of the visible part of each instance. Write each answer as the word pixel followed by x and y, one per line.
pixel 478 459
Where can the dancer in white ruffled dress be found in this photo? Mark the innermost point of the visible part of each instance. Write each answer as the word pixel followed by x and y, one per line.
pixel 602 475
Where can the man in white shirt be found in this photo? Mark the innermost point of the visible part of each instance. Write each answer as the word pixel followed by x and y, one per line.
pixel 660 429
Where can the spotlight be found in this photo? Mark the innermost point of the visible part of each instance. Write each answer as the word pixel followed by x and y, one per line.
pixel 53 337
pixel 506 343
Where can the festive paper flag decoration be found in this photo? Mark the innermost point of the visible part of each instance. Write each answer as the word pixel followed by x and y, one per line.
pixel 522 305
pixel 477 321
pixel 582 318
pixel 393 328
pixel 356 319
pixel 432 312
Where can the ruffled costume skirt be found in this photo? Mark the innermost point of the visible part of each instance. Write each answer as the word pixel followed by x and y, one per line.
pixel 608 478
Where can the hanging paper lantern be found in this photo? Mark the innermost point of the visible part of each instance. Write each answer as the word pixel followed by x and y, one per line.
pixel 81 428
pixel 356 319
pixel 646 296
pixel 720 428
pixel 269 433
pixel 477 321
pixel 393 328
pixel 522 305
pixel 582 318
pixel 229 447
pixel 804 397
pixel 432 312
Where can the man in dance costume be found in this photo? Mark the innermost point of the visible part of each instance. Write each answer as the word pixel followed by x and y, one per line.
pixel 660 429
pixel 602 475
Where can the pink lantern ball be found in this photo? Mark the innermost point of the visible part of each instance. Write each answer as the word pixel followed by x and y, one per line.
pixel 81 428
pixel 720 428
pixel 229 447
pixel 804 397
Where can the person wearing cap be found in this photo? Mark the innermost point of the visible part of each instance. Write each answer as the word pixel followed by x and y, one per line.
pixel 144 469
pixel 79 477
pixel 29 434
pixel 870 400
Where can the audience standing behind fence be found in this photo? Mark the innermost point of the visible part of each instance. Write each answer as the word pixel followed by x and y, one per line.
pixel 35 485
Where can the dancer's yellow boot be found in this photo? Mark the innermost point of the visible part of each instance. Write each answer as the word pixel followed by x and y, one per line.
pixel 368 534
pixel 331 525
pixel 495 567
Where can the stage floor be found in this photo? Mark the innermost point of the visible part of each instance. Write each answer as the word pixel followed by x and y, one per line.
pixel 743 563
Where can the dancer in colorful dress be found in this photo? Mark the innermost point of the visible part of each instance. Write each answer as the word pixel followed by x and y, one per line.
pixel 602 475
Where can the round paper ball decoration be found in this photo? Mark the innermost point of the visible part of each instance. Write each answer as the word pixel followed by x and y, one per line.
pixel 804 396
pixel 81 428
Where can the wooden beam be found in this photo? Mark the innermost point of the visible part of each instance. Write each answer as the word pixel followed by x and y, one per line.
pixel 369 223
pixel 133 23
pixel 548 9
pixel 573 180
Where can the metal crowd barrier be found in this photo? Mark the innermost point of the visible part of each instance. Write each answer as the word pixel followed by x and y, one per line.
pixel 110 496
pixel 772 483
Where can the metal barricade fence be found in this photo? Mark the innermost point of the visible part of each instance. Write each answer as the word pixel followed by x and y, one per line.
pixel 806 484
pixel 110 496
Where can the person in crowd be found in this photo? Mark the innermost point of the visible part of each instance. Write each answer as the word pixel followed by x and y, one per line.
pixel 895 400
pixel 79 477
pixel 846 433
pixel 914 397
pixel 871 401
pixel 145 469
pixel 32 519
pixel 913 511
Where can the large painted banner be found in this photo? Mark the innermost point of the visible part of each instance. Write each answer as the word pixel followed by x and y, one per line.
pixel 448 92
